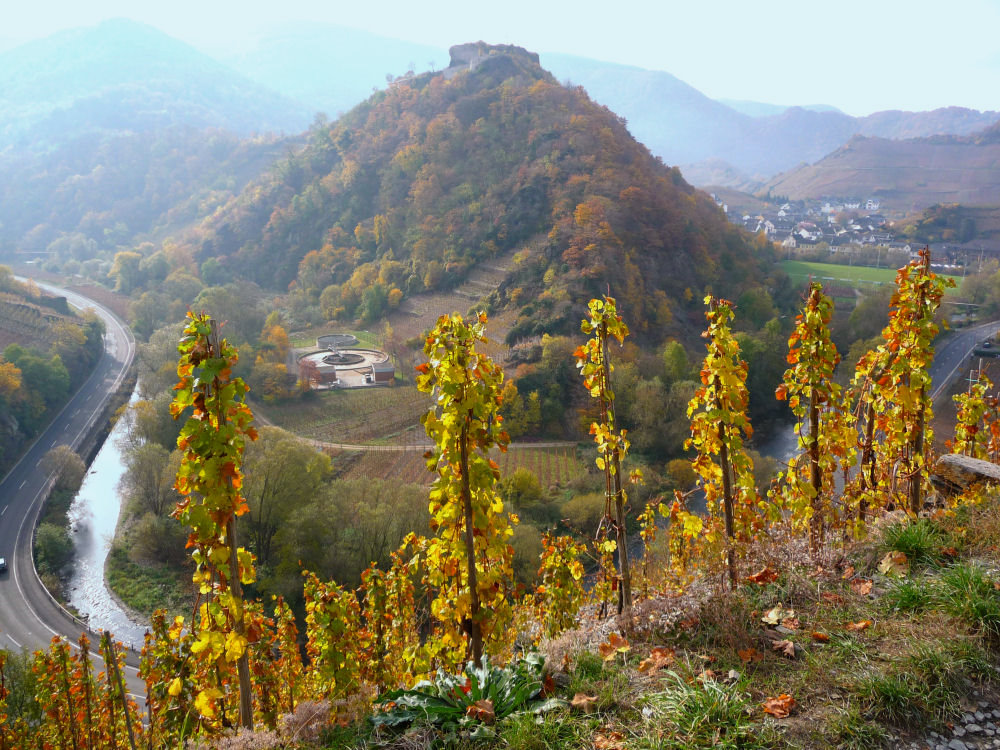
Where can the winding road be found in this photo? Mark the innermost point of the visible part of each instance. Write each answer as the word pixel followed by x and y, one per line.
pixel 29 616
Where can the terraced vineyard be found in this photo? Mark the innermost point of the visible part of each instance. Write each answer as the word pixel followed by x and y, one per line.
pixel 553 465
pixel 360 415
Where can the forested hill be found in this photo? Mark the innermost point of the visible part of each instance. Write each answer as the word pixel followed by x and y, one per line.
pixel 412 188
pixel 125 76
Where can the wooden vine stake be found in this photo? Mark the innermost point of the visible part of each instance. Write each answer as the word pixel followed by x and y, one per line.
pixel 209 481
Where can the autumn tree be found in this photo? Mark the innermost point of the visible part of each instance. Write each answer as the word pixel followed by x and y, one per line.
pixel 67 467
pixel 469 556
pixel 282 473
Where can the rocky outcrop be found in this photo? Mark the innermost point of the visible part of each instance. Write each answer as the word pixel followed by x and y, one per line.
pixel 955 473
pixel 473 54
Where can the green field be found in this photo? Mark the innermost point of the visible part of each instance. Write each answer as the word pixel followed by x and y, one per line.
pixel 856 276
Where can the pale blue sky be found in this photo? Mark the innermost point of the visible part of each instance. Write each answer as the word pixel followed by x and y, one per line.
pixel 858 55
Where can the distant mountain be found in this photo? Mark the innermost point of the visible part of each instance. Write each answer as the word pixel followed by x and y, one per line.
pixel 683 126
pixel 762 109
pixel 125 76
pixel 910 174
pixel 421 183
pixel 329 68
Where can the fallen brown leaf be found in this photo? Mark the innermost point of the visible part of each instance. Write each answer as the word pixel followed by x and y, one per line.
pixel 779 707
pixel 848 572
pixel 585 703
pixel 792 623
pixel 777 614
pixel 482 710
pixel 607 739
pixel 832 598
pixel 707 675
pixel 894 564
pixel 749 655
pixel 861 586
pixel 859 626
pixel 784 647
pixel 763 576
pixel 687 624
pixel 548 686
pixel 821 637
pixel 613 646
pixel 658 658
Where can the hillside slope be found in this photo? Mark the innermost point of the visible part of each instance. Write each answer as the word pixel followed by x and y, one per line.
pixel 910 174
pixel 101 190
pixel 408 191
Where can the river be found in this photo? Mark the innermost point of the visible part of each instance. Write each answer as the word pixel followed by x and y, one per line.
pixel 93 518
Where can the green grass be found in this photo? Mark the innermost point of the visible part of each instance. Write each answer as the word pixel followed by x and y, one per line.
pixel 146 588
pixel 969 594
pixel 710 715
pixel 921 541
pixel 856 276
pixel 908 595
pixel 851 731
pixel 304 339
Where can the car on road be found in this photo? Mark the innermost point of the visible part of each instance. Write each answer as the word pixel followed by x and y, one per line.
pixel 3 564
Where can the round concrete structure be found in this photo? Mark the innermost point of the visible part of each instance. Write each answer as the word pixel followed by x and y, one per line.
pixel 333 341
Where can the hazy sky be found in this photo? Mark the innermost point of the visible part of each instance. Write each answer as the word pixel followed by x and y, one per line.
pixel 858 55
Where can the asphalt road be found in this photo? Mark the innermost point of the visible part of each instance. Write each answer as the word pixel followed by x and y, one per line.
pixel 954 352
pixel 29 616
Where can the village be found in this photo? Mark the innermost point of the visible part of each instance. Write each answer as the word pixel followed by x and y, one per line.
pixel 850 231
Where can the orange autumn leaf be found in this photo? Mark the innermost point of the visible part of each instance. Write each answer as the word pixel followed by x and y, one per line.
pixel 820 637
pixel 779 707
pixel 607 739
pixel 749 655
pixel 861 586
pixel 707 675
pixel 792 623
pixel 613 646
pixel 832 598
pixel 658 658
pixel 482 710
pixel 763 576
pixel 859 626
pixel 848 572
